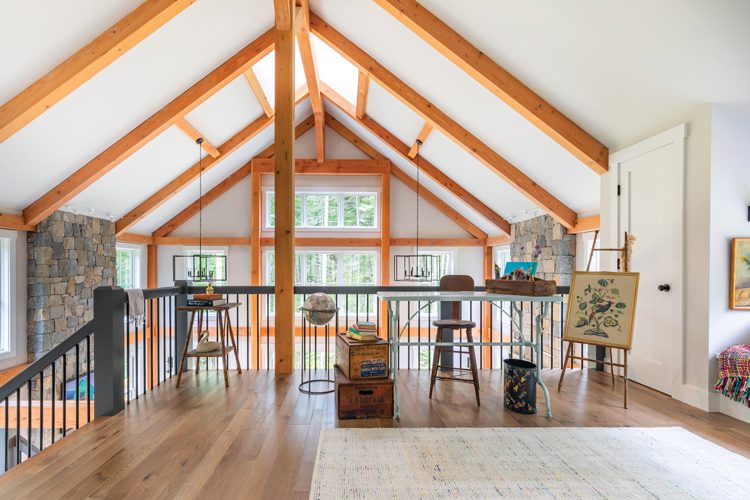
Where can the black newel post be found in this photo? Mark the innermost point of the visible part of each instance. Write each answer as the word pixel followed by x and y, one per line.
pixel 180 323
pixel 109 356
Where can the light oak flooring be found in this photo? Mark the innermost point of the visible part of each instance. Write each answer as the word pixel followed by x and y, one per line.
pixel 258 438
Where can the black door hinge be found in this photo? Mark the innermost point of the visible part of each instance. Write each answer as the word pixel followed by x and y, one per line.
pixel 618 264
pixel 618 190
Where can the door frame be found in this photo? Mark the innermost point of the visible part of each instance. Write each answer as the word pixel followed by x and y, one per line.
pixel 673 138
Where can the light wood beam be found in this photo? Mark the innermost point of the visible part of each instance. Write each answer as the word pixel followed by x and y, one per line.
pixel 153 126
pixel 586 225
pixel 151 270
pixel 328 167
pixel 363 89
pixel 426 129
pixel 442 121
pixel 310 66
pixel 257 89
pixel 87 62
pixel 206 240
pixel 224 186
pixel 137 239
pixel 318 242
pixel 256 208
pixel 500 82
pixel 15 222
pixel 425 166
pixel 496 241
pixel 191 132
pixel 284 186
pixel 438 242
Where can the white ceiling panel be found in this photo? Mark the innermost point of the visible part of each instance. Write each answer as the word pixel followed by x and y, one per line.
pixel 226 112
pixel 393 114
pixel 264 70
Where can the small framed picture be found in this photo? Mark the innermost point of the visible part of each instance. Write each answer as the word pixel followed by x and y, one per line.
pixel 739 294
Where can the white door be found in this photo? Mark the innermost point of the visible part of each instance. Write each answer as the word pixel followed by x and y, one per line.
pixel 650 176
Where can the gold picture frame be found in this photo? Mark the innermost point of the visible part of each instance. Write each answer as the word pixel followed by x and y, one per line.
pixel 739 289
pixel 601 309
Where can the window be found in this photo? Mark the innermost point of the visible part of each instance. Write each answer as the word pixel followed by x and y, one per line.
pixel 588 243
pixel 502 257
pixel 326 210
pixel 315 268
pixel 5 294
pixel 128 267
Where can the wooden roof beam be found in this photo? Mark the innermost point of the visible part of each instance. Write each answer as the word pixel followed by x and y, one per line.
pixel 363 89
pixel 213 194
pixel 191 132
pixel 152 127
pixel 500 82
pixel 177 184
pixel 257 89
pixel 87 62
pixel 426 129
pixel 442 121
pixel 418 161
pixel 15 222
pixel 310 67
pixel 405 178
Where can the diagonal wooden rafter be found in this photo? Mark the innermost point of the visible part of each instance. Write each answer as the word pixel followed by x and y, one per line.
pixel 153 126
pixel 405 178
pixel 425 166
pixel 500 82
pixel 178 183
pixel 421 137
pixel 363 89
pixel 442 121
pixel 87 62
pixel 309 64
pixel 191 132
pixel 257 89
pixel 188 212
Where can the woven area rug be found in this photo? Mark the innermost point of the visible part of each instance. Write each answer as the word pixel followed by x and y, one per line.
pixel 663 462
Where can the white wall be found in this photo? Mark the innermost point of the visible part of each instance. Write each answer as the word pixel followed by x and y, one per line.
pixel 17 283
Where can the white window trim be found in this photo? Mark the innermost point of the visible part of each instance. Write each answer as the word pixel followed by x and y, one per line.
pixel 137 263
pixel 318 190
pixel 15 280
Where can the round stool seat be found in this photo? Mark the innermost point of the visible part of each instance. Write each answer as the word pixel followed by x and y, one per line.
pixel 453 324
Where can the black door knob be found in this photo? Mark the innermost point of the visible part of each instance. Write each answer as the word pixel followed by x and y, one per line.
pixel 663 288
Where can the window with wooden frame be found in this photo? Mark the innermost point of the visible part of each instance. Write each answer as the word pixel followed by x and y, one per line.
pixel 330 210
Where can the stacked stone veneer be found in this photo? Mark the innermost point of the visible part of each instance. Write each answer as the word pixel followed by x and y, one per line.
pixel 68 257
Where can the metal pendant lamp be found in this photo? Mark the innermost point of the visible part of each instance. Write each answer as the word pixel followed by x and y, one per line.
pixel 200 267
pixel 416 267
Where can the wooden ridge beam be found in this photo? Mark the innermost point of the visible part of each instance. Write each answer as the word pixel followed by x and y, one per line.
pixel 310 66
pixel 363 89
pixel 442 121
pixel 421 137
pixel 153 126
pixel 191 132
pixel 418 161
pixel 224 186
pixel 15 222
pixel 500 82
pixel 178 183
pixel 328 167
pixel 87 62
pixel 257 89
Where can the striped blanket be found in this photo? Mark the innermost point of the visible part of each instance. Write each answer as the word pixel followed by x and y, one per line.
pixel 734 373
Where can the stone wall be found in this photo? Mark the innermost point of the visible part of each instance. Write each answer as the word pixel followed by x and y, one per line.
pixel 68 257
pixel 558 257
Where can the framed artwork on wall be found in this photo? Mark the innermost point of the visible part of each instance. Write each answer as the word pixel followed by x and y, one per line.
pixel 739 294
pixel 602 309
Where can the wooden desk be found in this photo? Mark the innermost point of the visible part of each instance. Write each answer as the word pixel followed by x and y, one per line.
pixel 224 327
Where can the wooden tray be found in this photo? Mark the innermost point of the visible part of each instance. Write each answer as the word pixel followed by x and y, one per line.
pixel 536 288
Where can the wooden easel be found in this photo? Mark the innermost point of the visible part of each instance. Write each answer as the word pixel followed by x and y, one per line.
pixel 625 251
pixel 569 356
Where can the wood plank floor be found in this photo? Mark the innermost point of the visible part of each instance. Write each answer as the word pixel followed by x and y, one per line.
pixel 258 438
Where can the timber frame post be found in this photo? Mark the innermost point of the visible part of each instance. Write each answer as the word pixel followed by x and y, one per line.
pixel 284 184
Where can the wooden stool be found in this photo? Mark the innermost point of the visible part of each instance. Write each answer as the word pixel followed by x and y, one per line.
pixel 455 324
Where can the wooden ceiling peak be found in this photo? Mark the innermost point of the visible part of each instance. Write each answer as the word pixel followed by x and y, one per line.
pixel 439 119
pixel 500 82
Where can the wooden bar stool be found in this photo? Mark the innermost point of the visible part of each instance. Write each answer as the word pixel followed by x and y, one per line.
pixel 455 325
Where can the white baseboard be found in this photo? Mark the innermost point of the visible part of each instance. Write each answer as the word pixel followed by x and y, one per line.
pixel 734 409
pixel 700 398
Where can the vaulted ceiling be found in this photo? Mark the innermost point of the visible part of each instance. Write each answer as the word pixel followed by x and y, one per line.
pixel 616 71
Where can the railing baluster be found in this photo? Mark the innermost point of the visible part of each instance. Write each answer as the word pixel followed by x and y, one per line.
pixel 53 384
pixel 6 458
pixel 64 394
pixel 88 376
pixel 78 382
pixel 41 410
pixel 28 435
pixel 18 426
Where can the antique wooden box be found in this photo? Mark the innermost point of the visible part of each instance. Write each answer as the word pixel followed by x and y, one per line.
pixel 363 398
pixel 361 360
pixel 536 288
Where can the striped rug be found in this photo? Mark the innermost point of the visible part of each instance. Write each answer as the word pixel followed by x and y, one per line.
pixel 409 464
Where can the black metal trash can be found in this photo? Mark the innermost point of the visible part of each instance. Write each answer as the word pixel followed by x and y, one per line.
pixel 520 386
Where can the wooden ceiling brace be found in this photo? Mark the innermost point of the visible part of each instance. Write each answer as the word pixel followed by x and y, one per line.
pixel 309 64
pixel 257 89
pixel 363 89
pixel 191 132
pixel 87 62
pixel 149 129
pixel 428 111
pixel 421 137
pixel 500 82
pixel 425 166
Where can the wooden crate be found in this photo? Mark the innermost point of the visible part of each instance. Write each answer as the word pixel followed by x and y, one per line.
pixel 362 360
pixel 363 398
pixel 536 288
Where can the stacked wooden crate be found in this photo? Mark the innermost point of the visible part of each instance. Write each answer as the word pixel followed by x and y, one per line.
pixel 363 389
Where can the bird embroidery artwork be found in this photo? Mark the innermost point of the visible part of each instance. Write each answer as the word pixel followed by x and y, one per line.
pixel 600 308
